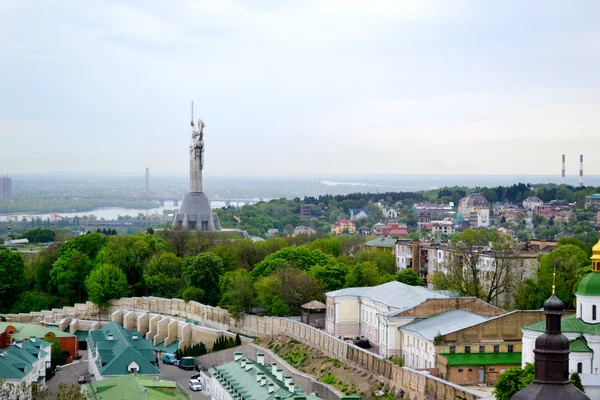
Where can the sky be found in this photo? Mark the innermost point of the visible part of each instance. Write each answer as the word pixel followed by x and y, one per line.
pixel 300 87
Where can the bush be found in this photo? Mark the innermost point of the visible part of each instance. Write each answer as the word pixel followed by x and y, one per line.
pixel 193 293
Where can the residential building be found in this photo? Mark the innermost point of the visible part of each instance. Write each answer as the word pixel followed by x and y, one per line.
pixel 382 243
pixel 479 353
pixel 134 386
pixel 590 201
pixel 442 227
pixel 581 328
pixel 11 331
pixel 419 337
pixel 435 210
pixel 476 209
pixel 533 203
pixel 343 226
pixel 306 210
pixel 390 213
pixel 303 230
pixel 5 188
pixel 272 232
pixel 24 362
pixel 394 229
pixel 358 213
pixel 114 350
pixel 244 378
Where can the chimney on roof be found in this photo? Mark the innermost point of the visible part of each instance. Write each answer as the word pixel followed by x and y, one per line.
pixel 134 336
pixel 274 369
pixel 109 336
pixel 237 355
pixel 259 375
pixel 263 380
pixel 243 361
pixel 19 344
pixel 287 380
pixel 292 387
pixel 260 358
pixel 249 365
pixel 279 374
pixel 271 388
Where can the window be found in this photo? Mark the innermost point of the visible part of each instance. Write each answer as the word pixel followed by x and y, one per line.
pixel 467 349
pixel 452 349
pixel 594 312
pixel 491 369
pixel 482 349
pixel 579 368
pixel 460 370
pixel 511 348
pixel 496 348
pixel 470 369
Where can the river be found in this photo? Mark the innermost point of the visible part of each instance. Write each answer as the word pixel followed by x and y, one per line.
pixel 109 213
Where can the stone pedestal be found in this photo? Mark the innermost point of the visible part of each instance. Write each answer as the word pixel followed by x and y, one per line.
pixel 195 214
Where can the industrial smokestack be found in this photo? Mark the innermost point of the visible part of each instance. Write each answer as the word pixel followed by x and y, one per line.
pixel 563 170
pixel 581 170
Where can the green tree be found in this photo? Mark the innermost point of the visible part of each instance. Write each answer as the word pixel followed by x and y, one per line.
pixel 104 283
pixel 32 301
pixel 409 277
pixel 89 245
pixel 163 276
pixel 286 290
pixel 68 274
pixel 301 257
pixel 12 277
pixel 576 242
pixel 512 380
pixel 383 258
pixel 363 274
pixel 332 276
pixel 39 235
pixel 567 260
pixel 576 381
pixel 203 271
pixel 193 294
pixel 529 295
pixel 238 291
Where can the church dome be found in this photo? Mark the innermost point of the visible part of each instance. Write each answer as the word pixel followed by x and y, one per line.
pixel 596 249
pixel 589 285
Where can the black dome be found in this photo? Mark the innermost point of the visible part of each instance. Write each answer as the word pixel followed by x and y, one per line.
pixel 554 304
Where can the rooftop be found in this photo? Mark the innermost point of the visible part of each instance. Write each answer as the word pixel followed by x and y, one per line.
pixel 118 353
pixel 393 294
pixel 443 323
pixel 579 345
pixel 25 331
pixel 136 386
pixel 568 324
pixel 16 362
pixel 381 242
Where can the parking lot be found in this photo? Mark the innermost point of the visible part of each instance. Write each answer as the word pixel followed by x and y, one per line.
pixel 183 378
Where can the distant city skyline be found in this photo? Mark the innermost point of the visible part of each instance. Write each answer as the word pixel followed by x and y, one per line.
pixel 288 88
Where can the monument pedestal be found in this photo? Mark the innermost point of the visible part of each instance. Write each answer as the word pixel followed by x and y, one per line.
pixel 195 213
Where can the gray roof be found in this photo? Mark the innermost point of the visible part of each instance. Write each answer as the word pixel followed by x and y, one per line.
pixel 444 323
pixel 393 294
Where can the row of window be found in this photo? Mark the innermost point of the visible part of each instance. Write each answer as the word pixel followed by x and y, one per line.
pixel 510 349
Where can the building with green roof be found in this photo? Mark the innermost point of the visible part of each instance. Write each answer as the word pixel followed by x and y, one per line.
pixel 249 380
pixel 132 386
pixel 11 331
pixel 114 350
pixel 25 362
pixel 582 328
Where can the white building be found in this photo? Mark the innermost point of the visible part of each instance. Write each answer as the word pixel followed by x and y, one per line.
pixel 390 214
pixel 303 230
pixel 476 209
pixel 418 347
pixel 443 227
pixel 582 328
pixel 533 203
pixel 358 213
pixel 24 362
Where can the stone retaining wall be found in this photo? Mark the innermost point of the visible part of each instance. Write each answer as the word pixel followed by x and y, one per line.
pixel 416 385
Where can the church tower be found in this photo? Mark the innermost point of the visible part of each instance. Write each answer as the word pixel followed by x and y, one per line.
pixel 588 292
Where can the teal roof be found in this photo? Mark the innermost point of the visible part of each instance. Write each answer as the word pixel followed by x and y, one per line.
pixel 15 361
pixel 168 349
pixel 381 242
pixel 568 324
pixel 236 379
pixel 579 345
pixel 590 285
pixel 25 331
pixel 482 359
pixel 118 353
pixel 134 387
pixel 82 335
pixel 595 196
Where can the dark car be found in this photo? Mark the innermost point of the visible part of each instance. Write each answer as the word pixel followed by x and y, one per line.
pixel 81 379
pixel 200 368
pixel 195 375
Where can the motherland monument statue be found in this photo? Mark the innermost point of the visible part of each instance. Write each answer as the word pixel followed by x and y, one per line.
pixel 195 212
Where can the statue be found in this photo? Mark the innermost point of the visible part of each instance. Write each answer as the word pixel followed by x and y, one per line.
pixel 197 147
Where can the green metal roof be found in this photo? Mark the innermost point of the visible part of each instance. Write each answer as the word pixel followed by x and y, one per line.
pixel 172 348
pixel 595 196
pixel 134 387
pixel 118 353
pixel 25 331
pixel 236 379
pixel 590 285
pixel 381 242
pixel 568 324
pixel 482 359
pixel 579 345
pixel 15 360
pixel 82 335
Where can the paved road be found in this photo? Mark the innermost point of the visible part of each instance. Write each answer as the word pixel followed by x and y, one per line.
pixel 183 378
pixel 69 373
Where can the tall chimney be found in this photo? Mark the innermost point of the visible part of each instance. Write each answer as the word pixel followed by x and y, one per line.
pixel 581 170
pixel 563 170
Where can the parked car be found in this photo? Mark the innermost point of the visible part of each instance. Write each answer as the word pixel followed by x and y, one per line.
pixel 169 358
pixel 195 385
pixel 81 379
pixel 195 375
pixel 187 363
pixel 200 368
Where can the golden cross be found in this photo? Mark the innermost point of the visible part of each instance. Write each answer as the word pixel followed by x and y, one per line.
pixel 554 280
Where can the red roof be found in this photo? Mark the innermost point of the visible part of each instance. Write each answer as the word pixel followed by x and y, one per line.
pixel 398 232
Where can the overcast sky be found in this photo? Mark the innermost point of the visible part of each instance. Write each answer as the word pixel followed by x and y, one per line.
pixel 300 87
